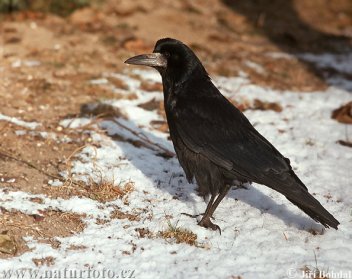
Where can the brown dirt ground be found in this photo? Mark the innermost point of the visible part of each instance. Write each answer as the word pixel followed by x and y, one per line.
pixel 44 227
pixel 98 39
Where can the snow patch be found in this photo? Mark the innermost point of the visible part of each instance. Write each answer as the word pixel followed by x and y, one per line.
pixel 16 121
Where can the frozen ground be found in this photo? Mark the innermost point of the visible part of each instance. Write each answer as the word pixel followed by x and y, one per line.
pixel 263 234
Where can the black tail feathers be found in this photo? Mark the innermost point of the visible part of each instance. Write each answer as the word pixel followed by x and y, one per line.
pixel 316 211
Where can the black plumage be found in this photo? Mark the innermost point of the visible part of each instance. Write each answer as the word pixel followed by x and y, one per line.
pixel 214 142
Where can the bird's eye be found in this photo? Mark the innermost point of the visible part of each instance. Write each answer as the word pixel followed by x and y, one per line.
pixel 167 54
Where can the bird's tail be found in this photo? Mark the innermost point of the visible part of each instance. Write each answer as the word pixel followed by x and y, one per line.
pixel 299 196
pixel 317 212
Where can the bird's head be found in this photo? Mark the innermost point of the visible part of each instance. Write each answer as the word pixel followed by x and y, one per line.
pixel 172 58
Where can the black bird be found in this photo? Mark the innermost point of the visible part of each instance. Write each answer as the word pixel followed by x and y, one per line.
pixel 214 142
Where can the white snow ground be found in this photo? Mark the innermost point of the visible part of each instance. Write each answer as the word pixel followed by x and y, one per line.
pixel 263 234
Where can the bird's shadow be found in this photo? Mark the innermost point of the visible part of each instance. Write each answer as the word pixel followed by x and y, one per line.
pixel 280 22
pixel 167 175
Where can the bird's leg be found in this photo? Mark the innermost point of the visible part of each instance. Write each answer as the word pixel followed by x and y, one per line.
pixel 222 194
pixel 205 222
pixel 211 201
pixel 202 214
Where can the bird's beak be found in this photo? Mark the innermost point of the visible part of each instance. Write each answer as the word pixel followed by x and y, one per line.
pixel 152 60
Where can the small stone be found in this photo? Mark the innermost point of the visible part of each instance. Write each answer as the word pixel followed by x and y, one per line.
pixel 7 245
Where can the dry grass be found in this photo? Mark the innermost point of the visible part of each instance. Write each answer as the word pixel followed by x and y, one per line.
pixel 173 233
pixel 118 214
pixel 99 109
pixel 144 233
pixel 47 261
pixel 314 272
pixel 106 191
pixel 102 191
pixel 73 247
pixel 179 235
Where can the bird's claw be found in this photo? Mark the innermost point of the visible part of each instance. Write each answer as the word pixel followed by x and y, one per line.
pixel 206 223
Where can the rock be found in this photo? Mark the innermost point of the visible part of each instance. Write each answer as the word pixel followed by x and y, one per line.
pixel 7 244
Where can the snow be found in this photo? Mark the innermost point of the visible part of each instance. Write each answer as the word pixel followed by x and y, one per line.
pixel 263 234
pixel 336 68
pixel 256 67
pixel 99 81
pixel 27 63
pixel 55 183
pixel 339 62
pixel 19 122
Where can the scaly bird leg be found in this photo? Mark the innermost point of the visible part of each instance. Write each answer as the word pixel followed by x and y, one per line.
pixel 211 201
pixel 205 222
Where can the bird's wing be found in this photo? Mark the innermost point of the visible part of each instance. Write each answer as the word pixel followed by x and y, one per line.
pixel 215 128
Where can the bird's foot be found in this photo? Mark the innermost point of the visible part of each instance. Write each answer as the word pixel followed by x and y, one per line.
pixel 206 223
pixel 195 215
pixel 192 215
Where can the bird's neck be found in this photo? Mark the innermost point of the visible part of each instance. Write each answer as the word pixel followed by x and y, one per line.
pixel 180 86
